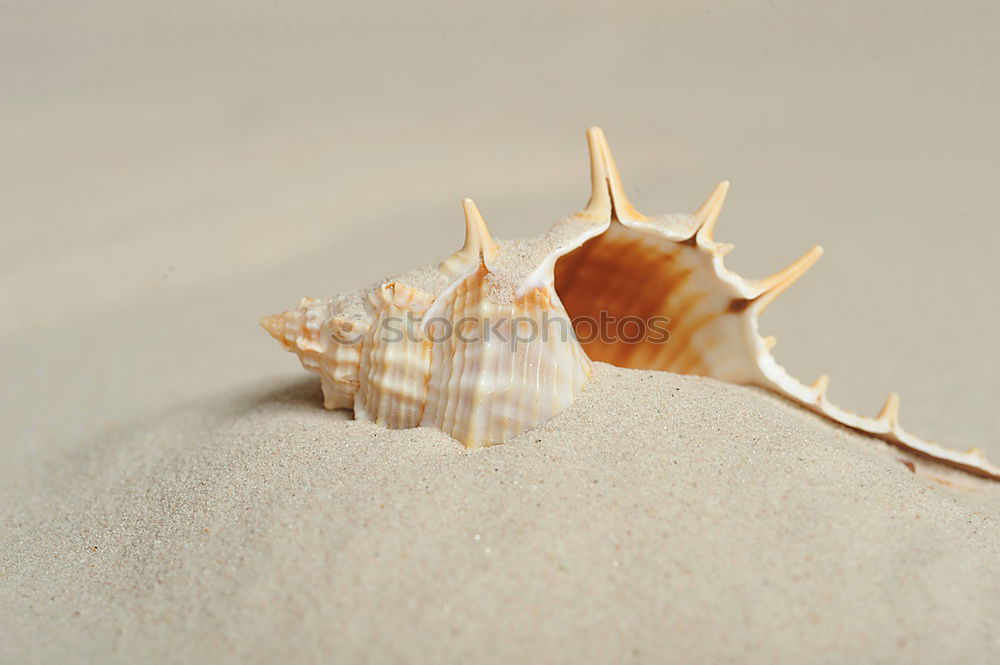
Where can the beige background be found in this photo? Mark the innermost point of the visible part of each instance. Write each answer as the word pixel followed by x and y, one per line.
pixel 170 172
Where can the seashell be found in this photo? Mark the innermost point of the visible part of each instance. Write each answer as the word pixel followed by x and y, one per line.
pixel 500 336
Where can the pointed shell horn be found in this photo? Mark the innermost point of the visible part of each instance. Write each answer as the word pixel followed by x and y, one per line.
pixel 890 412
pixel 605 180
pixel 599 205
pixel 772 287
pixel 821 386
pixel 479 245
pixel 708 214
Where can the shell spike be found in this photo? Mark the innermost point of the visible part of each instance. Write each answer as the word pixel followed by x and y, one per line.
pixel 478 241
pixel 479 247
pixel 599 205
pixel 769 342
pixel 772 287
pixel 708 214
pixel 821 386
pixel 604 175
pixel 890 411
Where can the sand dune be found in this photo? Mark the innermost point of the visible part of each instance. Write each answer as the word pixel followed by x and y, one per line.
pixel 661 516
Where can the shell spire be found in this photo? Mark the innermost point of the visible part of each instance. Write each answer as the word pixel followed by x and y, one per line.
pixel 274 324
pixel 606 262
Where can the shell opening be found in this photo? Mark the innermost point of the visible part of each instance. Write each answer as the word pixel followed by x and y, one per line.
pixel 639 300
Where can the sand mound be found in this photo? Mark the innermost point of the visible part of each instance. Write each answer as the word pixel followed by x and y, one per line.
pixel 661 518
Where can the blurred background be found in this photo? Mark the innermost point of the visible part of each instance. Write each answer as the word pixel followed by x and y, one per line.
pixel 171 171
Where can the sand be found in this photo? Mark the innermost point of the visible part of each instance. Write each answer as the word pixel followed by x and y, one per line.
pixel 639 526
pixel 171 172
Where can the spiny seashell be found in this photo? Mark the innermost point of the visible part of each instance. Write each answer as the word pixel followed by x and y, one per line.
pixel 491 343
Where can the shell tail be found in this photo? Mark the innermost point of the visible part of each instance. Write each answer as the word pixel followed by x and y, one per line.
pixel 885 426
